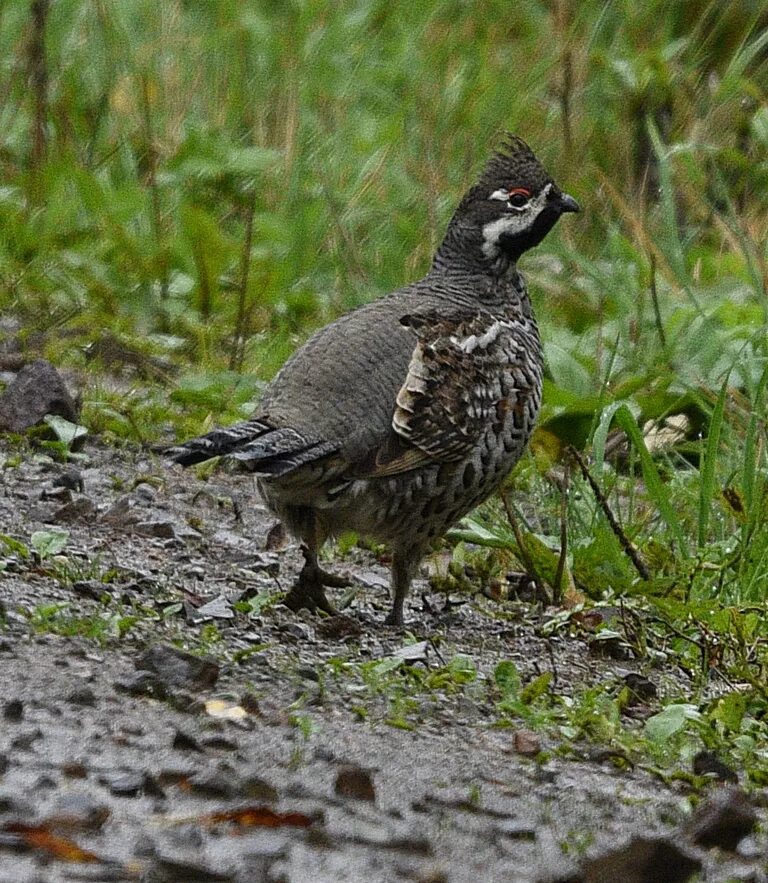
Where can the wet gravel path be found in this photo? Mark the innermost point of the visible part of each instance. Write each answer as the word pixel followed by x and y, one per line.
pixel 281 757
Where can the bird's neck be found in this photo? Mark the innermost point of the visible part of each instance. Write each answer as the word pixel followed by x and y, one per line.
pixel 495 285
pixel 461 251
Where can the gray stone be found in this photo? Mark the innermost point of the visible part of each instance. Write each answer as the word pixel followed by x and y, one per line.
pixel 177 668
pixel 36 390
pixel 723 819
pixel 640 860
pixel 77 811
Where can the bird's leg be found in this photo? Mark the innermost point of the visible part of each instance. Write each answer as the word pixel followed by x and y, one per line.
pixel 308 590
pixel 403 566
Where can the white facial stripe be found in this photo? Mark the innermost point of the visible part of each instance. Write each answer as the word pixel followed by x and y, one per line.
pixel 512 223
pixel 502 194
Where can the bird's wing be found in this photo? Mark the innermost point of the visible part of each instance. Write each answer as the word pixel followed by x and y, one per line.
pixel 457 387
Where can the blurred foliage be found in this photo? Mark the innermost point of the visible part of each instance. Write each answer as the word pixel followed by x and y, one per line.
pixel 144 141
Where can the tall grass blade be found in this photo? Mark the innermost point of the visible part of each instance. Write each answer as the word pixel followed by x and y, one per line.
pixel 601 432
pixel 657 490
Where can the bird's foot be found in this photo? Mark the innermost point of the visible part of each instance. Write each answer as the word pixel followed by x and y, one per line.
pixel 395 615
pixel 310 597
pixel 309 589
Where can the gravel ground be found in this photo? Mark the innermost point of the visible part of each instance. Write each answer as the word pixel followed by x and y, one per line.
pixel 126 759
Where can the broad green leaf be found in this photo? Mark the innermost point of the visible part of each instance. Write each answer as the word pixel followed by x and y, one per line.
pixel 536 688
pixel 49 542
pixel 15 546
pixel 729 710
pixel 507 679
pixel 66 432
pixel 672 720
pixel 656 488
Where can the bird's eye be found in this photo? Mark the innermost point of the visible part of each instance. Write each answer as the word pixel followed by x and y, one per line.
pixel 518 198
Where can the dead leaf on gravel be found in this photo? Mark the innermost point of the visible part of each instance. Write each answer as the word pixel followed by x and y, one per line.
pixel 277 538
pixel 225 710
pixel 338 627
pixel 62 848
pixel 526 742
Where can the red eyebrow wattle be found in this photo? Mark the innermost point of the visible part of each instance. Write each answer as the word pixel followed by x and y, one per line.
pixel 523 191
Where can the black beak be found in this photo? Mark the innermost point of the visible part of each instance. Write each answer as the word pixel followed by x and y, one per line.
pixel 568 204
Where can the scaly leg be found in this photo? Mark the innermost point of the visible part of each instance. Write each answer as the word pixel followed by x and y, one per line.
pixel 403 567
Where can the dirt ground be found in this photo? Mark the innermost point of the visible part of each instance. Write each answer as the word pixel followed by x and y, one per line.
pixel 114 747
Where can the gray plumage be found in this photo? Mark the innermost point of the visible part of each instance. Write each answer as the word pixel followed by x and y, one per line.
pixel 401 416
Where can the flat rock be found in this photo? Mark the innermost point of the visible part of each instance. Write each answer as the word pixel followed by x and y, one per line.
pixel 214 784
pixel 218 608
pixel 78 509
pixel 176 668
pixel 164 530
pixel 36 390
pixel 77 811
pixel 13 710
pixel 641 860
pixel 173 869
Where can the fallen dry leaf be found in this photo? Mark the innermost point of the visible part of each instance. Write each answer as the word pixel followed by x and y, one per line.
pixel 39 837
pixel 526 742
pixel 251 817
pixel 225 710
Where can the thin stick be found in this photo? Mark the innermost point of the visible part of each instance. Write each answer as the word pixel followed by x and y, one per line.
pixel 38 74
pixel 237 356
pixel 150 179
pixel 634 556
pixel 655 299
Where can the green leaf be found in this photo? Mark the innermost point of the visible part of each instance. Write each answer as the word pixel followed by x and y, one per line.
pixel 507 679
pixel 462 668
pixel 601 433
pixel 391 663
pixel 14 545
pixel 672 720
pixel 49 542
pixel 730 709
pixel 537 687
pixel 66 431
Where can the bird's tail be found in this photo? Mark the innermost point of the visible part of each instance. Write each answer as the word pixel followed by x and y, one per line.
pixel 265 449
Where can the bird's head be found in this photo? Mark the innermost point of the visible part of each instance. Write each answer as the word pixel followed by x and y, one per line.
pixel 511 208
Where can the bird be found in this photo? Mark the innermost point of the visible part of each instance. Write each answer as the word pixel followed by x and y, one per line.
pixel 401 416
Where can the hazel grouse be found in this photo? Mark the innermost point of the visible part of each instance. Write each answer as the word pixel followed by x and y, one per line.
pixel 401 416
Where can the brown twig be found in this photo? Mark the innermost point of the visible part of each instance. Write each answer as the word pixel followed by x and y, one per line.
pixel 241 323
pixel 629 549
pixel 38 75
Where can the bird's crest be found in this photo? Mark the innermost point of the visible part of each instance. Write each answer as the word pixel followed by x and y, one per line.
pixel 514 164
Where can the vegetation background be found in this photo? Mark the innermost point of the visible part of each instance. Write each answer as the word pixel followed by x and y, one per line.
pixel 190 188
